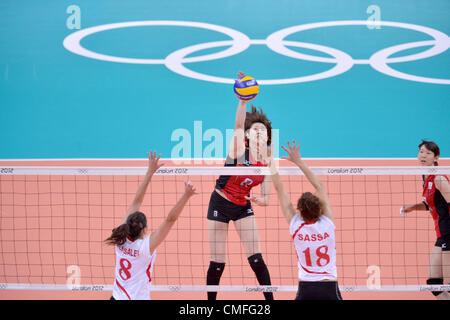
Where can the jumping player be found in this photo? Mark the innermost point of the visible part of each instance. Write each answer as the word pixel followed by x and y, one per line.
pixel 436 199
pixel 135 251
pixel 231 197
pixel 312 230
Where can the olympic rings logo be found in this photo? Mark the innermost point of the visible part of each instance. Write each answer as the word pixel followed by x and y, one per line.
pixel 343 62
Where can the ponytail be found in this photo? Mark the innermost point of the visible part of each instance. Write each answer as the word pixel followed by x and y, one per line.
pixel 132 229
pixel 119 235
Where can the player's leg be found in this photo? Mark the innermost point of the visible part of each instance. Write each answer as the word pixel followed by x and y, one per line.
pixel 435 275
pixel 446 268
pixel 217 235
pixel 247 230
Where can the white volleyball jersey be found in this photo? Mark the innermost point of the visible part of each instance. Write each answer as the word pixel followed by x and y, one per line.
pixel 315 245
pixel 134 266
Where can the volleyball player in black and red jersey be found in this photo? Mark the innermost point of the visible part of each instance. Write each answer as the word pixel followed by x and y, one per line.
pixel 436 199
pixel 231 199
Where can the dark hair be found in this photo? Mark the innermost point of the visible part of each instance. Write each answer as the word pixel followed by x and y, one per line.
pixel 433 147
pixel 258 116
pixel 309 207
pixel 132 229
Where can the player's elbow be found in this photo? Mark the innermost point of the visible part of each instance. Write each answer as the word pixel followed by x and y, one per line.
pixel 172 216
pixel 171 219
pixel 320 185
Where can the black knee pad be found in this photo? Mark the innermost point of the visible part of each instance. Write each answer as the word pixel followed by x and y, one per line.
pixel 431 281
pixel 215 271
pixel 262 273
pixel 256 261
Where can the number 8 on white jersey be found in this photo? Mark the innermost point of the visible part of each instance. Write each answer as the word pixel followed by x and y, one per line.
pixel 134 266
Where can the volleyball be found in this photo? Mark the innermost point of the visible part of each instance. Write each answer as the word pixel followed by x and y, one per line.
pixel 246 88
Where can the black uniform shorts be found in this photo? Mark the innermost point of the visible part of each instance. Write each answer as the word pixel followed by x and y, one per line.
pixel 443 243
pixel 318 290
pixel 220 209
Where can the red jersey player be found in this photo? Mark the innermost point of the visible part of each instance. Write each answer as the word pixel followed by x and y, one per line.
pixel 436 198
pixel 231 198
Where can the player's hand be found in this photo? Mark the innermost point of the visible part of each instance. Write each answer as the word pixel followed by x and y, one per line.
pixel 257 201
pixel 405 209
pixel 269 160
pixel 293 152
pixel 153 162
pixel 189 189
pixel 240 75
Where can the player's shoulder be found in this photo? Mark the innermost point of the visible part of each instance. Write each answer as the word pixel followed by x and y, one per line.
pixel 327 220
pixel 441 181
pixel 295 222
pixel 441 178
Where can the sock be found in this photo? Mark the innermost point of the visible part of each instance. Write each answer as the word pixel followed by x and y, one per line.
pixel 433 281
pixel 215 271
pixel 262 273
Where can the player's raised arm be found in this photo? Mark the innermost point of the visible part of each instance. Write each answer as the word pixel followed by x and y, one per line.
pixel 160 234
pixel 294 157
pixel 153 166
pixel 285 202
pixel 237 146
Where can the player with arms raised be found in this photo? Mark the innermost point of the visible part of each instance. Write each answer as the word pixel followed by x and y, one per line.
pixel 312 230
pixel 135 251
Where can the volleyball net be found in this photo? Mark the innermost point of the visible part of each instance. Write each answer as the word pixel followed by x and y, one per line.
pixel 54 220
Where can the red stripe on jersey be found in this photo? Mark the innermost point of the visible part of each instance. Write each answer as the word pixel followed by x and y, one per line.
pixel 123 289
pixel 148 272
pixel 301 226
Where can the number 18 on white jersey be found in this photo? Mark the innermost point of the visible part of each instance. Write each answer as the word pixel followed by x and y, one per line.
pixel 315 245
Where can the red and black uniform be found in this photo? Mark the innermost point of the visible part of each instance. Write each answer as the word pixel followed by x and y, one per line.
pixel 236 207
pixel 439 209
pixel 236 188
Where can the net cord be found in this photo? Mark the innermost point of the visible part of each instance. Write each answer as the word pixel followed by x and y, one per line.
pixel 221 288
pixel 193 171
